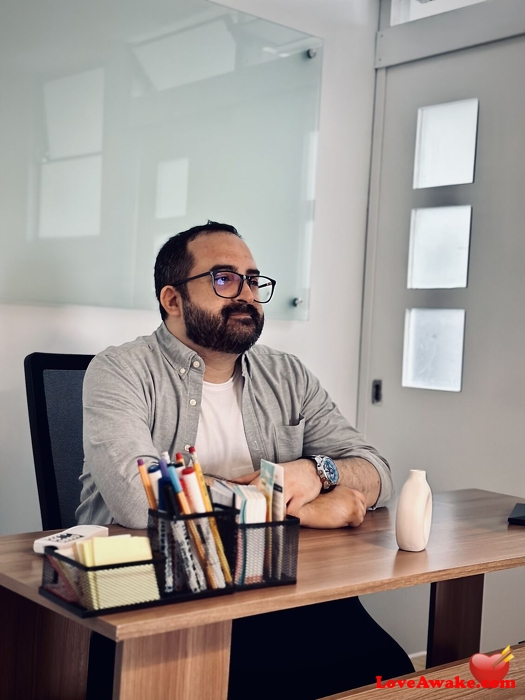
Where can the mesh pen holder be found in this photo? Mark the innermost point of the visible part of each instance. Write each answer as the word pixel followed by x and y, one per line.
pixel 267 554
pixel 198 552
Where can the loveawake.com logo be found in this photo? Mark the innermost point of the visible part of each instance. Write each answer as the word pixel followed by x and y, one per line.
pixel 488 671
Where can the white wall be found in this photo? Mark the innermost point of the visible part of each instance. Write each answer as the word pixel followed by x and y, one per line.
pixel 328 343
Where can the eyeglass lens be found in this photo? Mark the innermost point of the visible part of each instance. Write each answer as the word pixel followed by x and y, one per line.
pixel 228 285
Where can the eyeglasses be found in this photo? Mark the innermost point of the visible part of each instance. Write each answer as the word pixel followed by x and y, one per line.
pixel 228 285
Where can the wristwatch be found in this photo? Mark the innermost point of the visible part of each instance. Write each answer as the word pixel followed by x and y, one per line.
pixel 327 472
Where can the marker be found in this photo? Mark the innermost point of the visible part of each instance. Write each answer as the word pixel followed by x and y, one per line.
pixel 193 494
pixel 163 467
pixel 162 483
pixel 179 463
pixel 209 507
pixel 154 476
pixel 147 484
pixel 170 500
pixel 186 510
pixel 192 490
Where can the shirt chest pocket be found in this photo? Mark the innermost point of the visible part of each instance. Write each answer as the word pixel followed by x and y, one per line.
pixel 289 439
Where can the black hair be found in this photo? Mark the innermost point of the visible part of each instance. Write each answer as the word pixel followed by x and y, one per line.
pixel 174 261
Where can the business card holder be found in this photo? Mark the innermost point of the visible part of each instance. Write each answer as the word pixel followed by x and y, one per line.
pixel 267 554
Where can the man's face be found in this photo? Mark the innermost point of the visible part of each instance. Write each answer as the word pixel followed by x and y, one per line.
pixel 224 325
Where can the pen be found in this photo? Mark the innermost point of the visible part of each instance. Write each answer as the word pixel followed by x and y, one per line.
pixel 209 507
pixel 193 493
pixel 185 566
pixel 186 510
pixel 147 484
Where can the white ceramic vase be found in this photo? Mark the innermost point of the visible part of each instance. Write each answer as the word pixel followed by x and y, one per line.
pixel 414 512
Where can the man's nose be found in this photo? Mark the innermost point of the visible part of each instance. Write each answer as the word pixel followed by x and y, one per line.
pixel 246 292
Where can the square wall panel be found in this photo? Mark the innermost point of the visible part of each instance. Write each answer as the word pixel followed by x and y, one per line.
pixel 433 349
pixel 446 144
pixel 439 247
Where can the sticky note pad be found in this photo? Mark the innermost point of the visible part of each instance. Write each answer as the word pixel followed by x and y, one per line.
pixel 118 550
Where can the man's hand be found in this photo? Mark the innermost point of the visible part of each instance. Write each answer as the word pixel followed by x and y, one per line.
pixel 338 508
pixel 301 483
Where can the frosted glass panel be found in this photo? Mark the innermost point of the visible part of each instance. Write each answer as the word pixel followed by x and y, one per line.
pixel 439 247
pixel 172 188
pixel 446 144
pixel 433 349
pixel 70 198
pixel 188 56
pixel 74 114
pixel 128 121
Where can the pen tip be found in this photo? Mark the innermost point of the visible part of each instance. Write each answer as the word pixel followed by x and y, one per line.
pixel 140 461
pixel 191 450
pixel 179 456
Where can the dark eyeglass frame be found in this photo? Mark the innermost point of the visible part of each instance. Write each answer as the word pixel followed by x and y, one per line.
pixel 243 279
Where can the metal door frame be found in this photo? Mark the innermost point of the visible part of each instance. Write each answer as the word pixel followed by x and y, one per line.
pixel 474 25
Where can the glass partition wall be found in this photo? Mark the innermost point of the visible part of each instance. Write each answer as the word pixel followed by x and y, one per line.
pixel 124 122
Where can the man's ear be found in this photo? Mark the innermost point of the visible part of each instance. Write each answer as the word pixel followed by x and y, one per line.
pixel 171 300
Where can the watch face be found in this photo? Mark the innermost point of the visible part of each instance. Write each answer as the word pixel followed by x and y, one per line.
pixel 331 471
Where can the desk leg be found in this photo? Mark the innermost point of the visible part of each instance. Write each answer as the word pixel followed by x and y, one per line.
pixel 43 655
pixel 454 624
pixel 185 664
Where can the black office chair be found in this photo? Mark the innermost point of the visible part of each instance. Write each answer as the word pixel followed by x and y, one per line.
pixel 54 400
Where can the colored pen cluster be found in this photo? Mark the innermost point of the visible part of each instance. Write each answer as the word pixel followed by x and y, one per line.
pixel 175 489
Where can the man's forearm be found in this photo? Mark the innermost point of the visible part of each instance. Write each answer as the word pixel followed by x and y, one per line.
pixel 361 475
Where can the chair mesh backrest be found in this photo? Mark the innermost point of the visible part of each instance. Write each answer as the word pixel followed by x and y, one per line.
pixel 63 392
pixel 54 402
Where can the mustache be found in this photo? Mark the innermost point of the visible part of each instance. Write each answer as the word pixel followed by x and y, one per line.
pixel 240 308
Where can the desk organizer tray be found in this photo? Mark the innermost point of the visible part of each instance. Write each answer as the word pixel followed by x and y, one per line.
pixel 88 591
pixel 231 557
pixel 267 554
pixel 99 590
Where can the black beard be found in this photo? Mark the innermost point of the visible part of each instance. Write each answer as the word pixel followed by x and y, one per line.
pixel 217 332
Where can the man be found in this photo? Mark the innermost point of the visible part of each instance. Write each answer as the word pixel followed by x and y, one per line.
pixel 201 380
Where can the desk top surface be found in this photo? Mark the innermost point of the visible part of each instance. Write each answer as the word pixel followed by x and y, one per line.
pixel 470 535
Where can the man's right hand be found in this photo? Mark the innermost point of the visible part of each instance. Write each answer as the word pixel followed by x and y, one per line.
pixel 338 508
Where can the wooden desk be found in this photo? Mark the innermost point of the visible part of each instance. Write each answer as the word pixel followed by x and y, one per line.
pixel 182 650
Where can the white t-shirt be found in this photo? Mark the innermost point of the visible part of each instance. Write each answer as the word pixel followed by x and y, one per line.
pixel 221 442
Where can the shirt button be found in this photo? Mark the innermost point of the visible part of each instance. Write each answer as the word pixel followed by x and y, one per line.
pixel 182 370
pixel 193 402
pixel 196 364
pixel 187 448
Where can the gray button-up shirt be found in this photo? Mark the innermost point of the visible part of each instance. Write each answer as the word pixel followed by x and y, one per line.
pixel 144 397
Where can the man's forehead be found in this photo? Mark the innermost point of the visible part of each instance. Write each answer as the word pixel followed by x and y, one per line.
pixel 220 248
